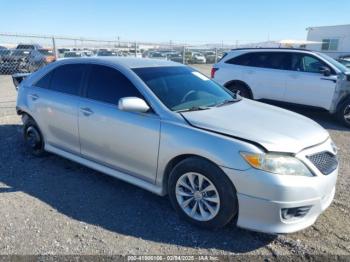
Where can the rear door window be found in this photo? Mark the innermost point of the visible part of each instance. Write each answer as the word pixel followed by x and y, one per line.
pixel 45 81
pixel 244 60
pixel 108 85
pixel 273 60
pixel 68 78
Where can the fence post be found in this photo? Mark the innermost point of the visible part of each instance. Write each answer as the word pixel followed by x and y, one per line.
pixel 135 49
pixel 54 48
pixel 216 55
pixel 184 55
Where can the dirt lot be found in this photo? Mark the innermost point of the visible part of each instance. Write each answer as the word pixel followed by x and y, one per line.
pixel 53 206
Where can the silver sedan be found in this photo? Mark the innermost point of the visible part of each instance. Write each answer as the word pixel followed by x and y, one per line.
pixel 171 130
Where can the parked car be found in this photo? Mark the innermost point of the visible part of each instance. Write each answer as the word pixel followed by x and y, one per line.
pixel 198 58
pixel 157 55
pixel 169 129
pixel 29 46
pixel 296 76
pixel 14 61
pixel 70 54
pixel 61 51
pixel 106 53
pixel 39 58
pixel 175 57
pixel 210 57
pixel 132 53
pixel 88 52
pixel 344 60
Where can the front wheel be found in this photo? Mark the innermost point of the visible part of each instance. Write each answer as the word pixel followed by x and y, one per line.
pixel 343 113
pixel 201 193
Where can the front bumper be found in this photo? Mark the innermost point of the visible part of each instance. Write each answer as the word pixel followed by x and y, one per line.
pixel 262 196
pixel 263 214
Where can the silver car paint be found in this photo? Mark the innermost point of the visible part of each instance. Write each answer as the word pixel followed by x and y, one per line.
pixel 248 120
pixel 141 150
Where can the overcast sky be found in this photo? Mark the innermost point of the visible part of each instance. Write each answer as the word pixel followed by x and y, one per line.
pixel 187 21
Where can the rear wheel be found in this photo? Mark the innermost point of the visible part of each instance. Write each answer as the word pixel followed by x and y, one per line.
pixel 343 113
pixel 240 89
pixel 33 138
pixel 201 193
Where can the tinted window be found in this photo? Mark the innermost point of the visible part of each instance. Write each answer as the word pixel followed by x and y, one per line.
pixel 67 78
pixel 181 88
pixel 279 60
pixel 109 85
pixel 274 60
pixel 44 82
pixel 242 59
pixel 307 63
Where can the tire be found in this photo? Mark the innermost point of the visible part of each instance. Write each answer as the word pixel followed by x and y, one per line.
pixel 241 89
pixel 215 186
pixel 33 138
pixel 343 113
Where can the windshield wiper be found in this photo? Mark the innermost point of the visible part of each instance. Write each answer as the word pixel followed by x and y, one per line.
pixel 227 101
pixel 193 108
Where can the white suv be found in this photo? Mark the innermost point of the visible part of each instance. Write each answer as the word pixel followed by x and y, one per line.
pixel 295 76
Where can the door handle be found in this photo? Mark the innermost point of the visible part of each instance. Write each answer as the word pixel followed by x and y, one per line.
pixel 34 97
pixel 86 111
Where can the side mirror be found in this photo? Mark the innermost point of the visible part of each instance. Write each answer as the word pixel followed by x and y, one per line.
pixel 133 104
pixel 325 71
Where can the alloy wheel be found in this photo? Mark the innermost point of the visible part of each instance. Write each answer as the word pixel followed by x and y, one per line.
pixel 197 196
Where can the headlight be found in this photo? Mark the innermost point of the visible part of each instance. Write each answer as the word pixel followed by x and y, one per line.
pixel 278 164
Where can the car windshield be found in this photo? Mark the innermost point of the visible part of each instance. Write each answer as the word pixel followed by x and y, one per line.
pixel 182 88
pixel 335 63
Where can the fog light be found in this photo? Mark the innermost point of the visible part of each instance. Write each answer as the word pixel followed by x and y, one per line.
pixel 295 212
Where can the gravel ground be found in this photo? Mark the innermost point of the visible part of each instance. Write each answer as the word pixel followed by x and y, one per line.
pixel 51 205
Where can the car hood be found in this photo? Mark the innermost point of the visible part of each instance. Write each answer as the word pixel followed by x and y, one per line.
pixel 275 129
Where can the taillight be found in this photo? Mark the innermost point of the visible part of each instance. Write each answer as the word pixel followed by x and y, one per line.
pixel 212 73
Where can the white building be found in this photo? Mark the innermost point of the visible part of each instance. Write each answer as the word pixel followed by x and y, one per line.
pixel 334 40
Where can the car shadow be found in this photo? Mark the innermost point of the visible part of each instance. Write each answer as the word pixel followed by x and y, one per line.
pixel 322 117
pixel 91 197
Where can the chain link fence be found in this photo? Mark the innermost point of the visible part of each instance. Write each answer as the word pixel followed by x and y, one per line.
pixel 27 53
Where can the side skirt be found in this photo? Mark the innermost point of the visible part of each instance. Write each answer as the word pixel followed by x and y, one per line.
pixel 106 170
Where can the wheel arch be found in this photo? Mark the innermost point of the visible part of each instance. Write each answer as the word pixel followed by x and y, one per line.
pixel 239 82
pixel 342 100
pixel 178 159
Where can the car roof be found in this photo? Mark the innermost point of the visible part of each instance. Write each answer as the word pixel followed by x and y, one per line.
pixel 128 62
pixel 270 49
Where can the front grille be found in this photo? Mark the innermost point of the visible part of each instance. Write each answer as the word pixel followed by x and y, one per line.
pixel 324 161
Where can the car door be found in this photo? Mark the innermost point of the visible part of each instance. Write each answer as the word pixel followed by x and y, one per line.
pixel 264 73
pixel 54 102
pixel 125 141
pixel 306 85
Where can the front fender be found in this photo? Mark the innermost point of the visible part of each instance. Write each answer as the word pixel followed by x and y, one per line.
pixel 182 139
